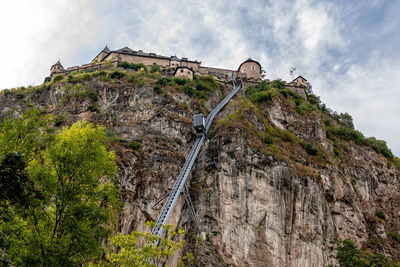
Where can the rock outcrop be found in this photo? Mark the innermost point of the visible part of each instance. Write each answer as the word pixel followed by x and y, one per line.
pixel 258 203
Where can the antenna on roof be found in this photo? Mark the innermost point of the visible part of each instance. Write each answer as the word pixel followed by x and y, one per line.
pixel 292 70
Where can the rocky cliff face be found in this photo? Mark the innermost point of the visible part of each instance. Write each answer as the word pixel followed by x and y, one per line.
pixel 263 197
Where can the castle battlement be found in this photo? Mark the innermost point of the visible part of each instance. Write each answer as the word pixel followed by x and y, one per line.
pixel 182 67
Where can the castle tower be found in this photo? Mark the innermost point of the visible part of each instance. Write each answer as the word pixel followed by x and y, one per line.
pixel 251 68
pixel 56 68
pixel 103 53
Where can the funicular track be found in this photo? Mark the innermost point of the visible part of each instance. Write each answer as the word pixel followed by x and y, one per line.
pixel 185 171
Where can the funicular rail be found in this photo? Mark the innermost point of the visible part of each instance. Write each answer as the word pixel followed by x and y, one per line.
pixel 185 171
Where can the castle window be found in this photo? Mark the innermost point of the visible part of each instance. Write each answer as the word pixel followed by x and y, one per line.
pixel 182 71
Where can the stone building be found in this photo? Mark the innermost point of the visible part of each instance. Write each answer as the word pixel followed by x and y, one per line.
pixel 56 68
pixel 184 72
pixel 103 53
pixel 251 68
pixel 183 67
pixel 132 56
pixel 300 81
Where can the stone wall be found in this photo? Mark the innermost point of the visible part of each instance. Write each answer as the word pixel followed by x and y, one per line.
pixel 148 61
pixel 184 73
pixel 251 69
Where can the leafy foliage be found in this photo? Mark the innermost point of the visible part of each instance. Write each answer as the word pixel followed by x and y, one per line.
pixel 83 93
pixel 380 147
pixel 267 140
pixel 379 213
pixel 57 203
pixel 395 236
pixel 157 88
pixel 135 145
pixel 260 93
pixel 310 149
pixel 116 74
pixel 58 77
pixel 345 119
pixel 27 135
pixel 349 255
pixel 125 250
pixel 198 87
pixel 132 66
pixel 59 120
pixel 154 68
pixel 348 134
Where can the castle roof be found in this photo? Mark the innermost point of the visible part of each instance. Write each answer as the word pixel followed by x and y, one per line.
pixel 106 50
pixel 250 60
pixel 183 67
pixel 58 63
pixel 299 77
pixel 126 50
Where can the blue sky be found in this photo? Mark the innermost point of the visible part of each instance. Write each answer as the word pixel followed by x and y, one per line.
pixel 348 50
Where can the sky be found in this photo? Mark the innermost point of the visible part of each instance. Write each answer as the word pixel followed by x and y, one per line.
pixel 348 50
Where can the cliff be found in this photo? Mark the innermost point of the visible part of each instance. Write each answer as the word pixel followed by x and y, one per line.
pixel 275 181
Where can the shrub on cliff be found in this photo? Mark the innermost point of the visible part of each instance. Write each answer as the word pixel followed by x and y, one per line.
pixel 349 255
pixel 154 68
pixel 260 93
pixel 205 83
pixel 279 84
pixel 138 249
pixel 380 147
pixel 132 66
pixel 349 134
pixel 309 148
pixel 58 77
pixel 116 74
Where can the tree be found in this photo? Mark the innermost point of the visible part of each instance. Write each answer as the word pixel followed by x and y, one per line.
pixel 65 203
pixel 138 249
pixel 346 119
pixel 349 255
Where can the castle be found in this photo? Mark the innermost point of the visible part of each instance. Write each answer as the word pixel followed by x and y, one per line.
pixel 181 67
pixel 250 70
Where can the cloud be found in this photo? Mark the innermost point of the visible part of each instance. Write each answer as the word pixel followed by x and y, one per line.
pixel 348 51
pixel 38 33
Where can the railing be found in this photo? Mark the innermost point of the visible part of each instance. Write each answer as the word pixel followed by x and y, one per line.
pixel 183 175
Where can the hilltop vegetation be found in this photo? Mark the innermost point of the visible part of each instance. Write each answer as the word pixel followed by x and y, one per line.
pixel 42 219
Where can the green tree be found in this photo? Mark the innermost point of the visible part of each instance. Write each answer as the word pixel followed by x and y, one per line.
pixel 346 119
pixel 349 255
pixel 154 68
pixel 138 249
pixel 64 203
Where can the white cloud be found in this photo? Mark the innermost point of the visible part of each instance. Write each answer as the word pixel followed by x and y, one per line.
pixel 38 33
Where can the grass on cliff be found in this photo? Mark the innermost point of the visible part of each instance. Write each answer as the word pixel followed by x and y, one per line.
pixel 251 120
pixel 338 126
pixel 199 87
pixel 348 254
pixel 265 92
pixel 250 113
